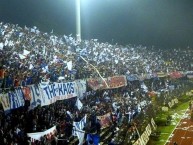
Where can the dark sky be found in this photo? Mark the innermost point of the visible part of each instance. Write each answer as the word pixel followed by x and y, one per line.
pixel 162 23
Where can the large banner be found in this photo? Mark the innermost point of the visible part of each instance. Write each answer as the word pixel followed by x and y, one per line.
pixel 41 96
pixel 153 124
pixel 4 99
pixel 105 120
pixel 36 96
pixel 16 98
pixel 144 138
pixel 80 87
pixel 37 135
pixel 113 82
pixel 148 129
pixel 138 142
pixel 57 91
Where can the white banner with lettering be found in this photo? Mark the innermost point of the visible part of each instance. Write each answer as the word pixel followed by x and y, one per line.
pixel 16 98
pixel 57 91
pixel 37 135
pixel 36 96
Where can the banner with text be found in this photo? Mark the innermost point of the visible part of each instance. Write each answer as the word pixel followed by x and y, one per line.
pixel 37 135
pixel 36 96
pixel 16 98
pixel 145 137
pixel 57 91
pixel 138 142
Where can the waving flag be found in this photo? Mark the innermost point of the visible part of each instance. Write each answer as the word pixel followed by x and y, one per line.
pixel 79 103
pixel 26 52
pixel 69 65
pixel 80 135
pixel 77 126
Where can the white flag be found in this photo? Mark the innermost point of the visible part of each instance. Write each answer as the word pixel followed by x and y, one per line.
pixel 21 56
pixel 78 104
pixel 69 65
pixel 80 135
pixel 1 46
pixel 31 66
pixel 26 52
pixel 61 78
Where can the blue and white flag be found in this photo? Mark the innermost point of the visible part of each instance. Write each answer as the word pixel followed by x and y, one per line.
pixel 45 69
pixel 79 125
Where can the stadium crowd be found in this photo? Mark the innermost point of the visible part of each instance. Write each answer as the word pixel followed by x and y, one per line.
pixel 41 56
pixel 29 56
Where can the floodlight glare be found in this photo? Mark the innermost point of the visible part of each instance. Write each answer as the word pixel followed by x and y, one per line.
pixel 78 23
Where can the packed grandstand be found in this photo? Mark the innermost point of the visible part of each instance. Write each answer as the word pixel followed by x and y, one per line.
pixel 56 90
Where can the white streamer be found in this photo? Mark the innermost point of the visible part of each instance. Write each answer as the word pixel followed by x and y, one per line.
pixel 96 71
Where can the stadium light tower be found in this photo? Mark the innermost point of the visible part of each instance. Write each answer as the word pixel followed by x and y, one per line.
pixel 78 21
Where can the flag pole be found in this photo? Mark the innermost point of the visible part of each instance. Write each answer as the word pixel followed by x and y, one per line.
pixel 95 70
pixel 78 21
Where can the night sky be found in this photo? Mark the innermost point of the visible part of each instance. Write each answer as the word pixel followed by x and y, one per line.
pixel 162 23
